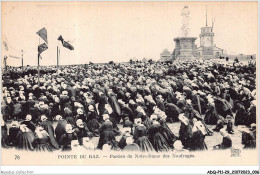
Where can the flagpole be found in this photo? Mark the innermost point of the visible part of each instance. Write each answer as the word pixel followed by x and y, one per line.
pixel 57 60
pixel 39 66
pixel 22 59
pixel 5 58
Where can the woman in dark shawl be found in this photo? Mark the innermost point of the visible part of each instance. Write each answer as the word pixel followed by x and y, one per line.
pixel 241 115
pixel 25 139
pixel 185 132
pixel 172 111
pixel 3 133
pixel 42 140
pixel 156 138
pixel 13 131
pixel 82 130
pixel 60 128
pixel 92 121
pixel 66 139
pixel 252 114
pixel 114 105
pixel 140 137
pixel 211 116
pixel 106 133
pixel 47 126
pixel 122 141
pixel 198 137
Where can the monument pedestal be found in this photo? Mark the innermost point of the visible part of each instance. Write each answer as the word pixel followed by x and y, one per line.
pixel 185 48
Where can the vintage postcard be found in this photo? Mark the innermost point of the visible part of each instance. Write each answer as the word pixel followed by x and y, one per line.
pixel 129 83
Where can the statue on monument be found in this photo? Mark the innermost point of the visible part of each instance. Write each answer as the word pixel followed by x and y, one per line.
pixel 185 13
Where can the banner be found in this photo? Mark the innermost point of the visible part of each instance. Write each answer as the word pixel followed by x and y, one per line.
pixel 43 34
pixel 65 43
pixel 42 48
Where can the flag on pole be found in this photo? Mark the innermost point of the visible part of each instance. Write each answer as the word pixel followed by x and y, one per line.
pixel 42 48
pixel 43 34
pixel 65 43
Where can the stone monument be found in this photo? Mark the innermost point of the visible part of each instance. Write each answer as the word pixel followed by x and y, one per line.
pixel 185 48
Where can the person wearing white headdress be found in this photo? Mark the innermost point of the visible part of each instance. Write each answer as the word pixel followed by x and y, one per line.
pixel 42 140
pixel 130 145
pixel 156 138
pixel 140 137
pixel 92 121
pixel 66 139
pixel 82 131
pixel 198 137
pixel 106 133
pixel 60 128
pixel 48 127
pixel 25 139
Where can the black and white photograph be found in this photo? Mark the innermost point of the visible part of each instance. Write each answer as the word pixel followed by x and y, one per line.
pixel 129 83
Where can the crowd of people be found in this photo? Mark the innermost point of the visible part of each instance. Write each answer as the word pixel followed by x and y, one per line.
pixel 135 101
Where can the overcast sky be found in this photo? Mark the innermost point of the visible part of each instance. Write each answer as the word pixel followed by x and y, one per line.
pixel 118 31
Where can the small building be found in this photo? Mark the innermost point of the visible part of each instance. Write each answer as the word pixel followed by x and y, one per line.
pixel 166 55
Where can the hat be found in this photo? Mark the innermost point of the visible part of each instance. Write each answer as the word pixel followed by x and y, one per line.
pixel 43 118
pixel 120 101
pixel 105 117
pixel 137 121
pixel 41 103
pixel 129 140
pixel 79 122
pixel 15 124
pixel 253 126
pixel 68 128
pixel 253 102
pixel 131 102
pixel 153 117
pixel 229 117
pixel 79 111
pixel 28 117
pixel 58 117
